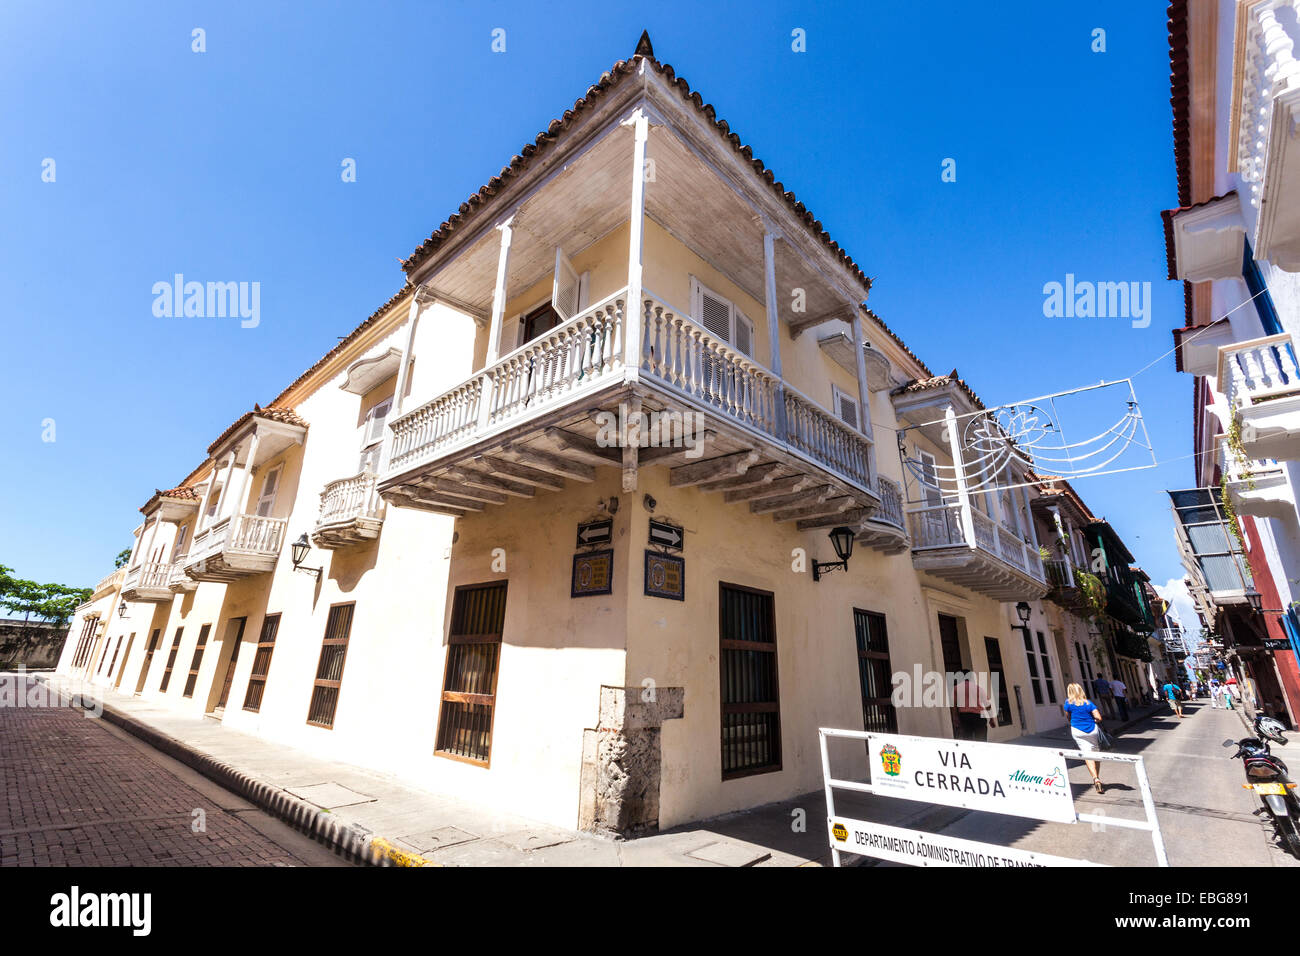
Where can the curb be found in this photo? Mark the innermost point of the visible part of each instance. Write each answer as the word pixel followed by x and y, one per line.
pixel 354 845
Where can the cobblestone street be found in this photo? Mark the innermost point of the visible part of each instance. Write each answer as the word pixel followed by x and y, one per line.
pixel 79 792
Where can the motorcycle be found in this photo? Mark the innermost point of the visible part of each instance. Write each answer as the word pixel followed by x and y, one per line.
pixel 1269 728
pixel 1267 776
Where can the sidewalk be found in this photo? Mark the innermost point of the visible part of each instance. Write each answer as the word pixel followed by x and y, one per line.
pixel 376 818
pixel 1135 716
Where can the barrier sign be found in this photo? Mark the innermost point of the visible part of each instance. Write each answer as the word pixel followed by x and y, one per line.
pixel 1002 778
pixel 916 848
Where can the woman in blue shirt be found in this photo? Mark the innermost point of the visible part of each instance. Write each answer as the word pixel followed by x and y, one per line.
pixel 1085 727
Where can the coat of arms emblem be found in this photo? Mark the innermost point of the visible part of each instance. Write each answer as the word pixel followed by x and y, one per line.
pixel 891 759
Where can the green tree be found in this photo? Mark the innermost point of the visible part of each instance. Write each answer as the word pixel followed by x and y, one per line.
pixel 123 556
pixel 50 602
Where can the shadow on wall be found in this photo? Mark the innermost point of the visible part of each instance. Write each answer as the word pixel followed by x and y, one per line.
pixel 30 644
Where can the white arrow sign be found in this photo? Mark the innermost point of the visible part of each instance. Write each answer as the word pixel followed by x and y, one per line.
pixel 665 534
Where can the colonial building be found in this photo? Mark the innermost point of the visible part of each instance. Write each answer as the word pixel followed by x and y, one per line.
pixel 603 514
pixel 1234 241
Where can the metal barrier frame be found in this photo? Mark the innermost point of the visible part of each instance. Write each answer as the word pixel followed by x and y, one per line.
pixel 1150 823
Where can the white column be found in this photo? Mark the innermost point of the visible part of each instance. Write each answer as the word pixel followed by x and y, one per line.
pixel 201 519
pixel 773 326
pixel 498 294
pixel 153 536
pixel 864 390
pixel 403 377
pixel 225 484
pixel 959 471
pixel 241 502
pixel 635 307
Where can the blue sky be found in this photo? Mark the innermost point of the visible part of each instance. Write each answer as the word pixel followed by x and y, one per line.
pixel 226 164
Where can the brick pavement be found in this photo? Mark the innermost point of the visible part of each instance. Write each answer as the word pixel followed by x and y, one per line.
pixel 74 793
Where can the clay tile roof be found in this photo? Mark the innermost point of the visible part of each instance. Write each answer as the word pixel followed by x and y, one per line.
pixel 1167 215
pixel 547 138
pixel 179 494
pixel 1179 97
pixel 275 413
pixel 880 323
pixel 939 381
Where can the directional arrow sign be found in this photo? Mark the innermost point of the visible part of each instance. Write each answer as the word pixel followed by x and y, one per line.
pixel 666 535
pixel 596 532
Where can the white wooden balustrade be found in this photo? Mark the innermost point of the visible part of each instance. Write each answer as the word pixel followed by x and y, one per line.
pixel 146 576
pixel 1268 69
pixel 350 498
pixel 891 503
pixel 937 526
pixel 248 533
pixel 587 351
pixel 555 366
pixel 1255 371
pixel 940 526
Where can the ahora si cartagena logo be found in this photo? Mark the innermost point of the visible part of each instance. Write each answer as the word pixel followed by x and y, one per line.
pixel 1055 779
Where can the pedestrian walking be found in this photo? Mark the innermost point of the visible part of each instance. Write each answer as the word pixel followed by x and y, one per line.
pixel 1227 697
pixel 971 710
pixel 1101 693
pixel 1171 692
pixel 1119 690
pixel 1085 728
pixel 1214 694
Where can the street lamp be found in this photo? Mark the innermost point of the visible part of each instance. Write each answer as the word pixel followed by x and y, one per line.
pixel 121 609
pixel 299 551
pixel 1023 611
pixel 842 542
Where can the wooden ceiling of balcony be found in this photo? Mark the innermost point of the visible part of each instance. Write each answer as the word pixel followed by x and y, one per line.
pixel 549 452
pixel 591 197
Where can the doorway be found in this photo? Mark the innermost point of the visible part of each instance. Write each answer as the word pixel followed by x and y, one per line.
pixel 148 659
pixel 234 637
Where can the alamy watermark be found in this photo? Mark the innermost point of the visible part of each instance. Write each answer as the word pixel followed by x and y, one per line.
pixel 1101 300
pixel 19 690
pixel 665 429
pixel 212 300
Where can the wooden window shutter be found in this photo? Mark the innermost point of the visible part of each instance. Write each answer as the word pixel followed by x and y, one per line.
pixel 847 408
pixel 564 290
pixel 744 334
pixel 715 314
pixel 266 501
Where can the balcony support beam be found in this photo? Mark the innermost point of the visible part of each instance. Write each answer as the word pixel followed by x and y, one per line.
pixel 636 246
pixel 700 472
pixel 499 294
pixel 241 501
pixel 770 235
pixel 583 448
pixel 443 486
pixel 632 446
pixel 959 472
pixel 554 463
pixel 532 476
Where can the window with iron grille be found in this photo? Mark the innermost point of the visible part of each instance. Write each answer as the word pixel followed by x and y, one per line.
pixel 994 652
pixel 874 672
pixel 329 671
pixel 171 661
pixel 113 663
pixel 1031 657
pixel 261 663
pixel 1048 682
pixel 197 660
pixel 104 657
pixel 751 710
pixel 87 637
pixel 469 686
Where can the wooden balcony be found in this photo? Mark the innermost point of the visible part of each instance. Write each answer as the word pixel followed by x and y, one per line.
pixel 109 582
pixel 718 419
pixel 886 528
pixel 998 563
pixel 351 512
pixel 147 582
pixel 1258 487
pixel 1266 94
pixel 1261 382
pixel 1063 578
pixel 177 580
pixel 235 547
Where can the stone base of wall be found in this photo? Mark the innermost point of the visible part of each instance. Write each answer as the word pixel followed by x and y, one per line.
pixel 622 760
pixel 30 644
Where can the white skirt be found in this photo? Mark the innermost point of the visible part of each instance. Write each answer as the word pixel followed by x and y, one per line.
pixel 1087 742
